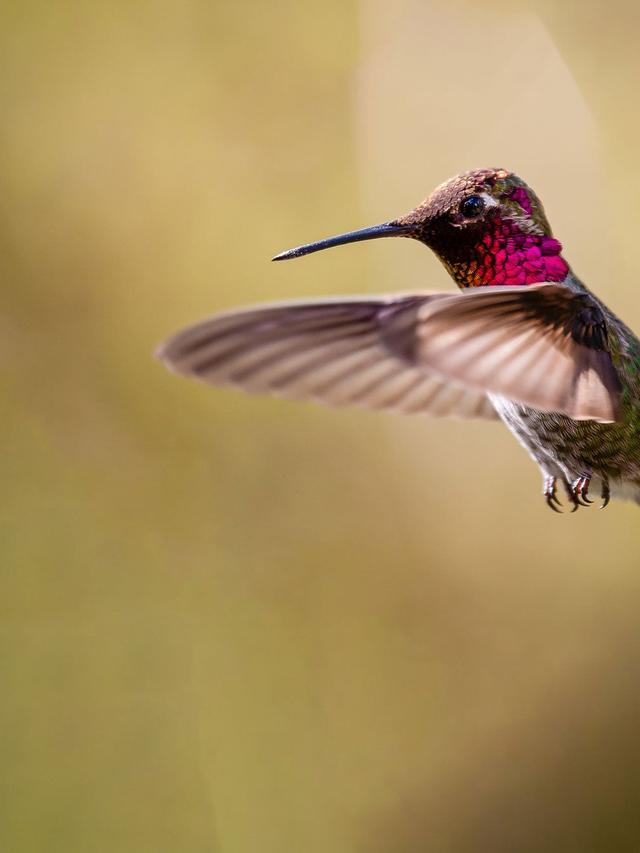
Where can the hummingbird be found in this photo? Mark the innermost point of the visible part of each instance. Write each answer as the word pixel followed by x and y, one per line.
pixel 523 341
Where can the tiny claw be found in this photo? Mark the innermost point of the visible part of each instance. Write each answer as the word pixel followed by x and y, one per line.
pixel 605 495
pixel 554 504
pixel 580 490
pixel 550 495
pixel 571 495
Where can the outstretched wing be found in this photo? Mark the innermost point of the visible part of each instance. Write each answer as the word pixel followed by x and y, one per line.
pixel 542 345
pixel 337 351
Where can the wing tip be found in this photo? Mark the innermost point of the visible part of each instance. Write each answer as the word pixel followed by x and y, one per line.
pixel 168 354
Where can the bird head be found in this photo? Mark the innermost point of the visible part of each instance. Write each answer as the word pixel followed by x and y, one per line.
pixel 487 227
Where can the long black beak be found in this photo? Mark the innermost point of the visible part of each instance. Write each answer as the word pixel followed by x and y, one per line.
pixel 387 229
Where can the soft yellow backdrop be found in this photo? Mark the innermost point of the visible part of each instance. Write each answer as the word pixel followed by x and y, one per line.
pixel 243 625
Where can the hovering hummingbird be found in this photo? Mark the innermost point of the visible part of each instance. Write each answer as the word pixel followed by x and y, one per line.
pixel 525 341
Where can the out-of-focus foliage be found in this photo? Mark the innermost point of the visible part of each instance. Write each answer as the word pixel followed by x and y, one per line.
pixel 235 624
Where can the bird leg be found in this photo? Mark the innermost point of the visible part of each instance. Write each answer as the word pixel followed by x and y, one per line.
pixel 550 493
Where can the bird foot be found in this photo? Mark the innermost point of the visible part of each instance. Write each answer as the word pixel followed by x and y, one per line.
pixel 577 492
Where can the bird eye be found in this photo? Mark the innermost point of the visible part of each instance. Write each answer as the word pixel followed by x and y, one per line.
pixel 472 206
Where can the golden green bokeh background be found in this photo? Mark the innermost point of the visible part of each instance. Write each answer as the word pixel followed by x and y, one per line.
pixel 232 624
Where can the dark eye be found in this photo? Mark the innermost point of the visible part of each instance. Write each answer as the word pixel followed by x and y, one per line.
pixel 472 206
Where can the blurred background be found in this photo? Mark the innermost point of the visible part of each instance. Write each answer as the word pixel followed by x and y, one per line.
pixel 237 624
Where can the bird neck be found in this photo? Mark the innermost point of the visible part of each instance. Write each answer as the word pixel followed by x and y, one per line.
pixel 508 255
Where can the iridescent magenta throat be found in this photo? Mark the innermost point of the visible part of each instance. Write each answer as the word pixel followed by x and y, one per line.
pixel 508 255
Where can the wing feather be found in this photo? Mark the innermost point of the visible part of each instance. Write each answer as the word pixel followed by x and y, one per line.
pixel 542 345
pixel 340 352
